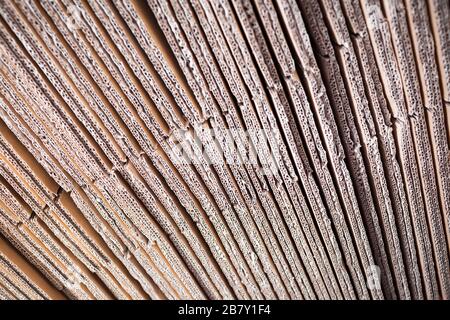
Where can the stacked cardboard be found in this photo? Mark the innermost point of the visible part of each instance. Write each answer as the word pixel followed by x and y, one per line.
pixel 224 149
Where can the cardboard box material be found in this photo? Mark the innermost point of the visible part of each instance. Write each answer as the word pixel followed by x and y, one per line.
pixel 215 149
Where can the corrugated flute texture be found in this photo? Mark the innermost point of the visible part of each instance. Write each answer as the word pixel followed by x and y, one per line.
pixel 224 149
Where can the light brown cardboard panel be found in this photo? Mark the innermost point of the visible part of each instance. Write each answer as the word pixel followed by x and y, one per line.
pixel 24 266
pixel 324 173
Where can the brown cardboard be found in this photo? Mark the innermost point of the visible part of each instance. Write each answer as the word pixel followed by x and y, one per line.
pixel 267 149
